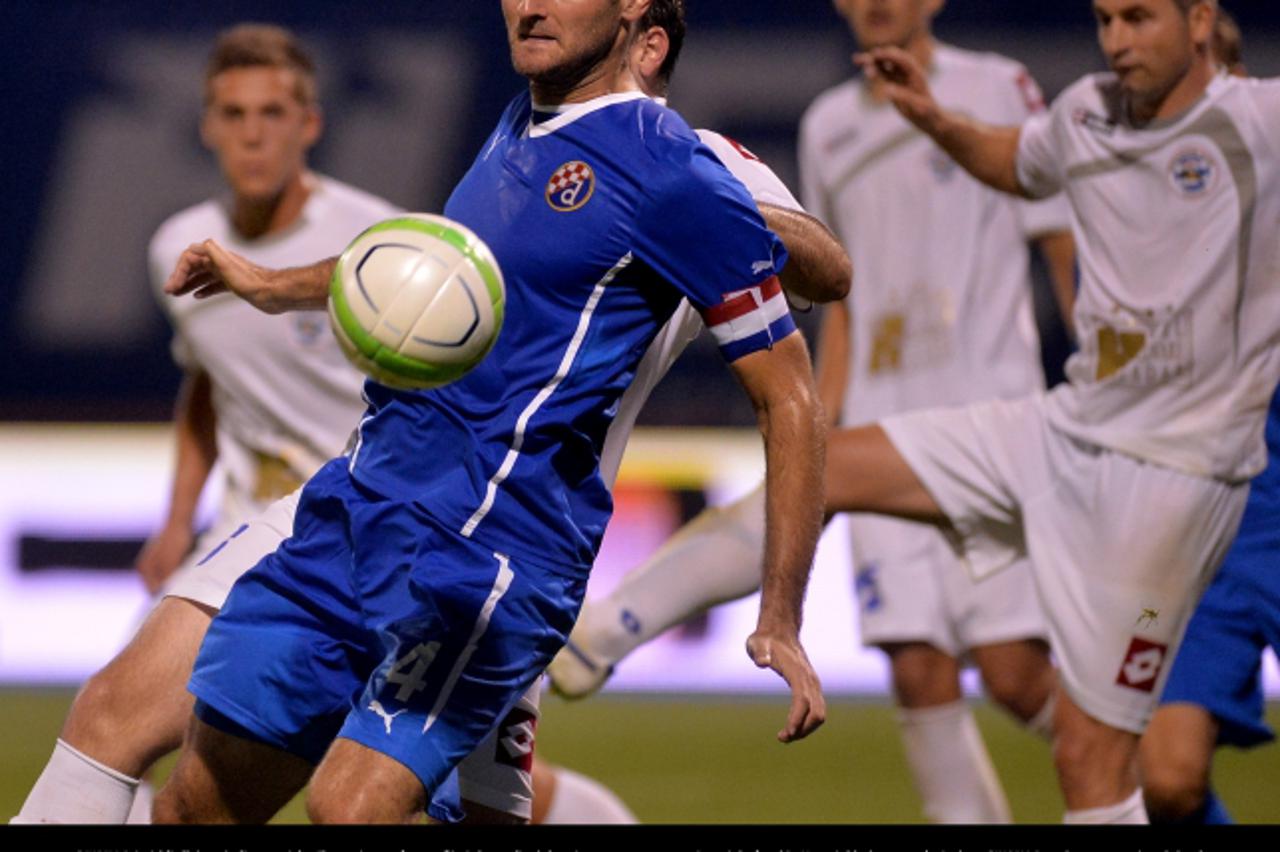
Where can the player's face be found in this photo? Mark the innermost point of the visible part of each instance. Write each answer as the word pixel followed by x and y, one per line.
pixel 1149 44
pixel 881 23
pixel 556 41
pixel 258 129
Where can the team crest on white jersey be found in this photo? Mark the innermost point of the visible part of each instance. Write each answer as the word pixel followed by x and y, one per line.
pixel 571 186
pixel 1193 172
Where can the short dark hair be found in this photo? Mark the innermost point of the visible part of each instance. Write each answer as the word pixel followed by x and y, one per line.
pixel 668 14
pixel 262 46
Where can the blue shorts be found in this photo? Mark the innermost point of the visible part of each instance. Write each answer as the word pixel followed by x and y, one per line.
pixel 1219 666
pixel 375 624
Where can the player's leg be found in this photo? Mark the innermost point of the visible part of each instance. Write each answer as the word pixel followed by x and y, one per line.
pixel 1176 756
pixel 1214 692
pixel 123 719
pixel 945 752
pixel 1018 675
pixel 726 544
pixel 222 777
pixel 864 473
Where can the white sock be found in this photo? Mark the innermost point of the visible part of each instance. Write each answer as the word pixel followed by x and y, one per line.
pixel 1041 724
pixel 140 811
pixel 716 557
pixel 951 767
pixel 1129 812
pixel 579 800
pixel 75 788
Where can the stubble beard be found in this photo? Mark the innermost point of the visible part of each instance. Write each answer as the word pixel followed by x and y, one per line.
pixel 561 79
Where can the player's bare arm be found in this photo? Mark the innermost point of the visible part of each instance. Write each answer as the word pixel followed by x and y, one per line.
pixel 196 450
pixel 988 153
pixel 818 267
pixel 781 388
pixel 832 368
pixel 1059 252
pixel 207 269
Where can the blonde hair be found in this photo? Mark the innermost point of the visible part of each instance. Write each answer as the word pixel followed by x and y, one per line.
pixel 262 46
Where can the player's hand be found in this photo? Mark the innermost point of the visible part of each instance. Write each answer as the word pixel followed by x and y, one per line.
pixel 905 83
pixel 783 653
pixel 162 555
pixel 207 269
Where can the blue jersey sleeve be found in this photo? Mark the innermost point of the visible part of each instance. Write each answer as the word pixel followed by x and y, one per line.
pixel 699 229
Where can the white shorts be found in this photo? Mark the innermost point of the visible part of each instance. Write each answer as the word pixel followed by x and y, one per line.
pixel 231 546
pixel 911 587
pixel 497 774
pixel 1119 549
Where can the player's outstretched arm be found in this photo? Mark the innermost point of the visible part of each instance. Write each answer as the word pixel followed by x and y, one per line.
pixel 988 153
pixel 781 388
pixel 206 269
pixel 818 268
pixel 196 450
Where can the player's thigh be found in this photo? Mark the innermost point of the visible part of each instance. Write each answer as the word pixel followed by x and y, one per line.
pixel 923 675
pixel 470 634
pixel 357 784
pixel 1117 579
pixel 222 777
pixel 866 473
pixel 1176 752
pixel 137 707
pixel 1018 674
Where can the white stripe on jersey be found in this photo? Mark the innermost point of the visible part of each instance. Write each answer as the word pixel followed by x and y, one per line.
pixel 500 585
pixel 517 441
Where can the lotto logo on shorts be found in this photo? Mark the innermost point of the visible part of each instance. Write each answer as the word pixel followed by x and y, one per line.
pixel 571 186
pixel 515 740
pixel 1142 665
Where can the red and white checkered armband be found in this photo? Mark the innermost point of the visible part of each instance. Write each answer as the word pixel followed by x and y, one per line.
pixel 749 320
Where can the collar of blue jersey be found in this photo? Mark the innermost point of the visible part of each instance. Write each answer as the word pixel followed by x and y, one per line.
pixel 548 119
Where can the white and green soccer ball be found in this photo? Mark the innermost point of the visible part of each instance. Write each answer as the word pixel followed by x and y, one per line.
pixel 416 301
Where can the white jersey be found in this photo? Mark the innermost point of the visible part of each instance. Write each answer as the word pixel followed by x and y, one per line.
pixel 941 311
pixel 1178 230
pixel 285 397
pixel 685 324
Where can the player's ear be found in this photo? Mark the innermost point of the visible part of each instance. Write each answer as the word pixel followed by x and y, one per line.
pixel 314 125
pixel 650 52
pixel 1201 19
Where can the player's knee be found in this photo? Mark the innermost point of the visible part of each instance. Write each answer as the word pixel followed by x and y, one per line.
pixel 173 806
pixel 1173 788
pixel 923 676
pixel 102 710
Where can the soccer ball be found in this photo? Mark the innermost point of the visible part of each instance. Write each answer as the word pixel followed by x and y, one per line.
pixel 416 301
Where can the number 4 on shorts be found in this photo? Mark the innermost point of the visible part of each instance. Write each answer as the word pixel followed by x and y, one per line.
pixel 414 679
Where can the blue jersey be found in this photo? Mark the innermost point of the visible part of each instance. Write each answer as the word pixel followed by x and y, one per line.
pixel 602 216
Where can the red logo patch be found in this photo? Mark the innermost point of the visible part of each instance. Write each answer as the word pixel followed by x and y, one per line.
pixel 515 740
pixel 571 186
pixel 1142 664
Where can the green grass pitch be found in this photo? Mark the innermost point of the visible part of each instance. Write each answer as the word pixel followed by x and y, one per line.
pixel 715 760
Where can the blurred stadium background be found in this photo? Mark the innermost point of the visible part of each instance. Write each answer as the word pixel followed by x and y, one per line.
pixel 101 144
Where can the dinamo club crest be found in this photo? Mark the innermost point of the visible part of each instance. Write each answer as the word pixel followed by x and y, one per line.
pixel 571 186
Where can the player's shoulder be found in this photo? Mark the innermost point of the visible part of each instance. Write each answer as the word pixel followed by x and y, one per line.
pixel 1099 91
pixel 191 224
pixel 664 131
pixel 833 107
pixel 354 201
pixel 985 63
